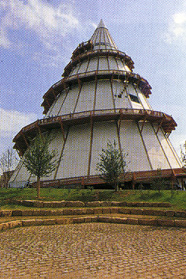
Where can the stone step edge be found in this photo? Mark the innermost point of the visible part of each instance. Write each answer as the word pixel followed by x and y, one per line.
pixel 98 210
pixel 36 203
pixel 99 219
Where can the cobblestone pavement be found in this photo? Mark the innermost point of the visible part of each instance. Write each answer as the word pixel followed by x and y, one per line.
pixel 94 250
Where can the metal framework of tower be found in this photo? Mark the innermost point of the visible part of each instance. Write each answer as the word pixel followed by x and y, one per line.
pixel 101 99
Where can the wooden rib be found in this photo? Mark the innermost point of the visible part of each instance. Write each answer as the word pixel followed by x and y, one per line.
pixel 37 125
pixel 60 157
pixel 24 138
pixel 144 120
pixel 159 126
pixel 62 128
pixel 111 84
pixel 161 146
pixel 91 143
pixel 148 158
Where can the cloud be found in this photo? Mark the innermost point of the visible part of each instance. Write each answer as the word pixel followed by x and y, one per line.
pixel 4 41
pixel 46 21
pixel 177 28
pixel 12 121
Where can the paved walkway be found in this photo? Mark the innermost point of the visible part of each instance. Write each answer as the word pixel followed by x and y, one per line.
pixel 94 250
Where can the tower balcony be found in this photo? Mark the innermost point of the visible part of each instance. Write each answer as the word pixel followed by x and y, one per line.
pixel 163 121
pixel 50 96
pixel 82 56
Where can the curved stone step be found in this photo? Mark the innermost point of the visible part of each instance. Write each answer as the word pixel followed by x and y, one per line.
pixel 104 219
pixel 94 211
pixel 55 204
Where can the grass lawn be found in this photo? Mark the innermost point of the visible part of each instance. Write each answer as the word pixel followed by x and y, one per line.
pixel 176 198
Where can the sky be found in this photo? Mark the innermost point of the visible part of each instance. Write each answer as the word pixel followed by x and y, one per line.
pixel 37 38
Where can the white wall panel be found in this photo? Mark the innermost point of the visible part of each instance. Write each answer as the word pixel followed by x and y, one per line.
pixel 136 105
pixel 56 145
pixel 75 70
pixel 157 157
pixel 86 98
pixel 83 67
pixel 104 98
pixel 102 133
pixel 70 101
pixel 56 108
pixel 49 113
pixel 103 63
pixel 127 69
pixel 131 89
pixel 121 66
pixel 143 100
pixel 120 95
pixel 169 151
pixel 132 144
pixel 76 152
pixel 112 63
pixel 21 175
pixel 93 64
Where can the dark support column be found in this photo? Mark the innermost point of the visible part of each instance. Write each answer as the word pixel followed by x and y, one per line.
pixel 83 182
pixel 160 125
pixel 144 120
pixel 182 183
pixel 172 183
pixel 133 180
pixel 173 179
pixel 37 125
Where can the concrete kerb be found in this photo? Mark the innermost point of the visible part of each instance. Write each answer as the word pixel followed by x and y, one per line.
pixel 91 219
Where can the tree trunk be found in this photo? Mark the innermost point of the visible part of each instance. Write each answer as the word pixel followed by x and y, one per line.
pixel 38 187
pixel 116 186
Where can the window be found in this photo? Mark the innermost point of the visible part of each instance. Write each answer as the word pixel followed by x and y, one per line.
pixel 134 98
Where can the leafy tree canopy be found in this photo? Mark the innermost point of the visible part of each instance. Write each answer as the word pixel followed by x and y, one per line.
pixel 39 159
pixel 112 164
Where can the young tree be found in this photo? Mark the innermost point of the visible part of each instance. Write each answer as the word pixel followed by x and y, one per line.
pixel 8 162
pixel 112 164
pixel 39 160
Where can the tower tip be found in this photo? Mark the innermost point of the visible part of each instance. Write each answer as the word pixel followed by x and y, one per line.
pixel 101 24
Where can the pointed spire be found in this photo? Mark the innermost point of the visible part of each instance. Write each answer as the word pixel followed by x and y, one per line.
pixel 101 38
pixel 101 24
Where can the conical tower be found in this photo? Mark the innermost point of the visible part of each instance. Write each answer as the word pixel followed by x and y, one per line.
pixel 98 99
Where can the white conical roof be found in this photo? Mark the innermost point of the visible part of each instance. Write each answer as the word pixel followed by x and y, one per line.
pixel 102 39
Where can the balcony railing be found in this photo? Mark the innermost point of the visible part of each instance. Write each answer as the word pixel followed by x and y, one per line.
pixel 162 119
pixel 59 86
